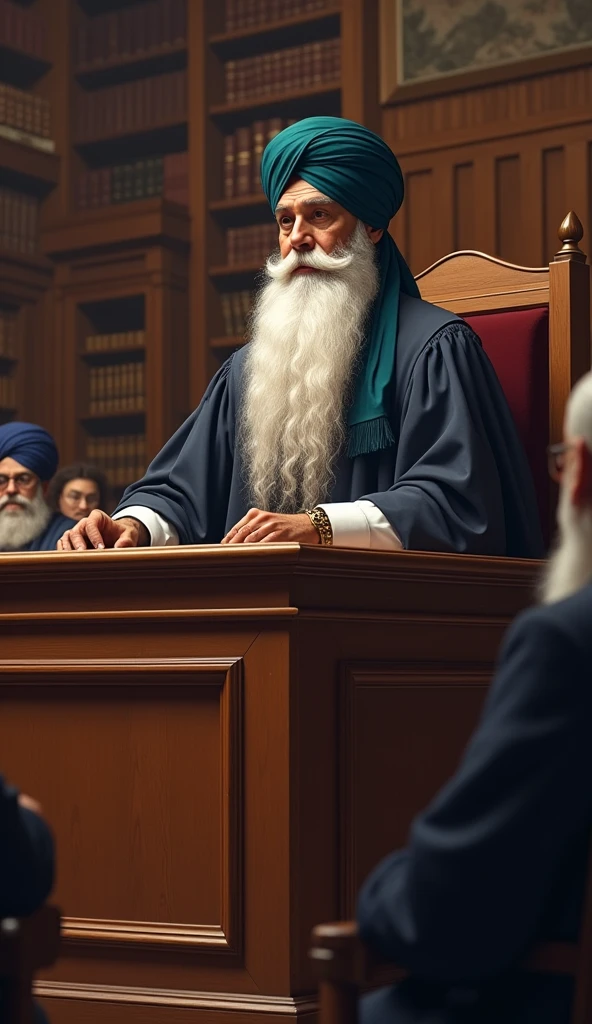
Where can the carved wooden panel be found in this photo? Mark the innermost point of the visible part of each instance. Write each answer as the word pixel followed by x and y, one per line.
pixel 144 793
pixel 402 731
pixel 495 168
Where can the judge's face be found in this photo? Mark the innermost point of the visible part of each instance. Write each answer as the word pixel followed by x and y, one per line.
pixel 306 218
pixel 78 498
pixel 18 487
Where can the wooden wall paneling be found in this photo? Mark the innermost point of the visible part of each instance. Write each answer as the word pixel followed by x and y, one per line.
pixel 578 181
pixel 359 62
pixel 528 146
pixel 463 205
pixel 421 223
pixel 554 198
pixel 532 205
pixel 508 205
pixel 485 203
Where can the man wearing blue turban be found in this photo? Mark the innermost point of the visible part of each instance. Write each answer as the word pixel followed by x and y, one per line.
pixel 28 459
pixel 357 415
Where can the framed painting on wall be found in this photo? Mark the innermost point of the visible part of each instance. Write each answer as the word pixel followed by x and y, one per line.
pixel 433 46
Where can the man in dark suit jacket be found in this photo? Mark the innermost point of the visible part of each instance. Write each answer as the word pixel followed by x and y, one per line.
pixel 26 859
pixel 497 861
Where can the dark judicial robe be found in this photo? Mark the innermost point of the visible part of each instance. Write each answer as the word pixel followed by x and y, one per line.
pixel 456 479
pixel 47 541
pixel 498 860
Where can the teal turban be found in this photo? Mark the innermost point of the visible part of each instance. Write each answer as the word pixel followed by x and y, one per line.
pixel 356 168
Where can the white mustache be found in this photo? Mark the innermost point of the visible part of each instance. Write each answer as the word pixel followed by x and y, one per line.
pixel 14 499
pixel 279 269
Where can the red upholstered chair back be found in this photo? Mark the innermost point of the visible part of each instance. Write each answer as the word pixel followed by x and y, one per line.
pixel 517 343
pixel 534 323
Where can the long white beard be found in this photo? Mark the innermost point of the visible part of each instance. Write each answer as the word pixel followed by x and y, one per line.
pixel 17 529
pixel 570 566
pixel 307 332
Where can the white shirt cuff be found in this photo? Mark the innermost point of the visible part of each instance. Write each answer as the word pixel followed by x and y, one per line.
pixel 360 524
pixel 162 534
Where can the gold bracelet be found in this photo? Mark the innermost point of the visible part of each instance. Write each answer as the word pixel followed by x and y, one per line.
pixel 322 524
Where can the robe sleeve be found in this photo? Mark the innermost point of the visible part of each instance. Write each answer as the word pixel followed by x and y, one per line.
pixel 487 857
pixel 188 483
pixel 462 482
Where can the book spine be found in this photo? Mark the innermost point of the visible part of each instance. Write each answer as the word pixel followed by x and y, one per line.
pixel 243 161
pixel 229 166
pixel 258 147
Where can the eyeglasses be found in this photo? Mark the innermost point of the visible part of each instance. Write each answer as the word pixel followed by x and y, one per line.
pixel 21 480
pixel 556 458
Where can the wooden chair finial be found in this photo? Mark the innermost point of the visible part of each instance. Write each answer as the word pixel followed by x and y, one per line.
pixel 570 234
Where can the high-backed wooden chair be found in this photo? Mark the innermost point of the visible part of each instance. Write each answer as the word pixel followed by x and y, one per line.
pixel 534 323
pixel 26 944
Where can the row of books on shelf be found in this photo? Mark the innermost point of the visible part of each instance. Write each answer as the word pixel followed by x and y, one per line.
pixel 7 392
pixel 242 155
pixel 236 307
pixel 131 32
pixel 132 107
pixel 116 389
pixel 251 244
pixel 8 334
pixel 22 29
pixel 118 341
pixel 248 13
pixel 19 222
pixel 295 67
pixel 121 456
pixel 157 176
pixel 25 112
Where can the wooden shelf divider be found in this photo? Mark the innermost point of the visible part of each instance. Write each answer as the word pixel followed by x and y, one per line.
pixel 274 34
pixel 134 65
pixel 289 102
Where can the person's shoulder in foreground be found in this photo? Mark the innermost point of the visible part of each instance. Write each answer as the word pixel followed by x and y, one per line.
pixel 498 859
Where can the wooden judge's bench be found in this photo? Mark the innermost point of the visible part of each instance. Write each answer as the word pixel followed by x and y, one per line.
pixel 226 740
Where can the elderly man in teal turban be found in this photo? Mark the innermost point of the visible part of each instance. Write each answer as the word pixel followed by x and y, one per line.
pixel 28 459
pixel 357 415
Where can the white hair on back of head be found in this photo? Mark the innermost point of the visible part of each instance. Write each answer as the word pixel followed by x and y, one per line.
pixel 570 564
pixel 578 418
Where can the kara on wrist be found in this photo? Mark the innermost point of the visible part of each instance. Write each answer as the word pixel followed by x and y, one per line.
pixel 322 524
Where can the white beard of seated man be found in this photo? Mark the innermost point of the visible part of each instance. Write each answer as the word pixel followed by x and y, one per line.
pixel 297 391
pixel 22 519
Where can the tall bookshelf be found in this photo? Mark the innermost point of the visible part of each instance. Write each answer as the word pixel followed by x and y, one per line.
pixel 120 235
pixel 297 53
pixel 29 169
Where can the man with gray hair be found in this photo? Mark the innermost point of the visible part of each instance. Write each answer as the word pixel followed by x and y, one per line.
pixel 358 415
pixel 497 862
